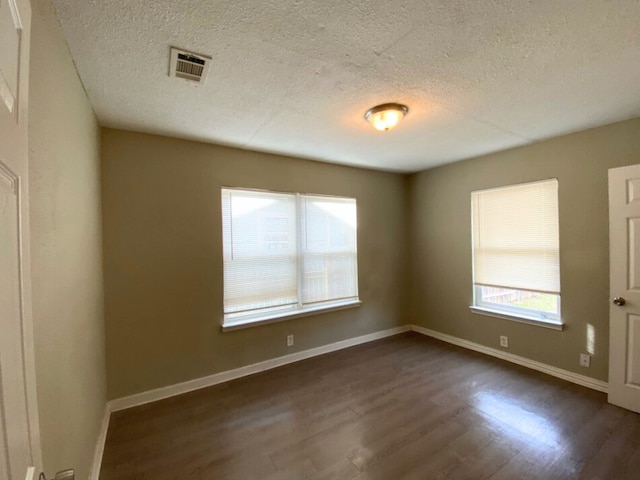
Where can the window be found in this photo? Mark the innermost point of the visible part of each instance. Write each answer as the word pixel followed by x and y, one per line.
pixel 516 254
pixel 286 254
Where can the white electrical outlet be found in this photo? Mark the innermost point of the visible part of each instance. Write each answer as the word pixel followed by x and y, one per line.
pixel 289 340
pixel 585 360
pixel 504 341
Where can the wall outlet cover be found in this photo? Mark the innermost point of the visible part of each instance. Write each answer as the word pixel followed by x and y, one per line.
pixel 585 360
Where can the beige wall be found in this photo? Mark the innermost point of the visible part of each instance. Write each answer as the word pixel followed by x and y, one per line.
pixel 440 233
pixel 163 269
pixel 163 257
pixel 66 252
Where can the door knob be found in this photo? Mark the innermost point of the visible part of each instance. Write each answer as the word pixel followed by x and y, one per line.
pixel 619 301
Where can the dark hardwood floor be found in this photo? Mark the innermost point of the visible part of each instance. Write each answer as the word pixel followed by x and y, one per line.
pixel 407 407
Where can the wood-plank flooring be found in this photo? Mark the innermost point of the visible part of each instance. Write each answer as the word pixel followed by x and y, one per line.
pixel 406 407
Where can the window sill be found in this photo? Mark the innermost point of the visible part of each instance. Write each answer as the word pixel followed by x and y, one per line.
pixel 552 324
pixel 279 317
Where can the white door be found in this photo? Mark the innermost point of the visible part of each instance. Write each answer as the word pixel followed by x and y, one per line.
pixel 624 312
pixel 19 441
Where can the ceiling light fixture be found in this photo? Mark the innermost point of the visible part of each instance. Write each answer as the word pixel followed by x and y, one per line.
pixel 386 116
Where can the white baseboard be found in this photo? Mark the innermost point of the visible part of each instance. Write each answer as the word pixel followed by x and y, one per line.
pixel 217 378
pixel 510 357
pixel 99 451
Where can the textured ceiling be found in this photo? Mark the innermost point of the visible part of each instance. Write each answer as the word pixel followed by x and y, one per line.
pixel 296 76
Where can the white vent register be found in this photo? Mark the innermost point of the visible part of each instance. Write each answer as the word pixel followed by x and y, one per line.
pixel 190 66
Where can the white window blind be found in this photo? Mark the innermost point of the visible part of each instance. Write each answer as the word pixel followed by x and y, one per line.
pixel 285 253
pixel 259 246
pixel 515 237
pixel 329 249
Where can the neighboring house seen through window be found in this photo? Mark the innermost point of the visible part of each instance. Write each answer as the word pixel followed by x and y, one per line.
pixel 516 254
pixel 286 254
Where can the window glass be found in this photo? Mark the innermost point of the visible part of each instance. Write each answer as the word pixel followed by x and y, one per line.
pixel 286 252
pixel 516 253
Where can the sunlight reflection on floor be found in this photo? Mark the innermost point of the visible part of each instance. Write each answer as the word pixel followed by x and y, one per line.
pixel 508 415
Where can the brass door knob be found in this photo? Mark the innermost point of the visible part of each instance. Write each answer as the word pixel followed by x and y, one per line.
pixel 619 301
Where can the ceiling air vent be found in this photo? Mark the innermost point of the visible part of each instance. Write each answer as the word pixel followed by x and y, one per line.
pixel 188 65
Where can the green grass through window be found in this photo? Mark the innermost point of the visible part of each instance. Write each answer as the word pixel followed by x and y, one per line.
pixel 544 302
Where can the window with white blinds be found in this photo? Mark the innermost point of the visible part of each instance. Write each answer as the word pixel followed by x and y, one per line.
pixel 516 254
pixel 286 253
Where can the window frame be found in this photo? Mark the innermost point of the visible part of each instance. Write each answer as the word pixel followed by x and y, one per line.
pixel 510 312
pixel 530 314
pixel 239 320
